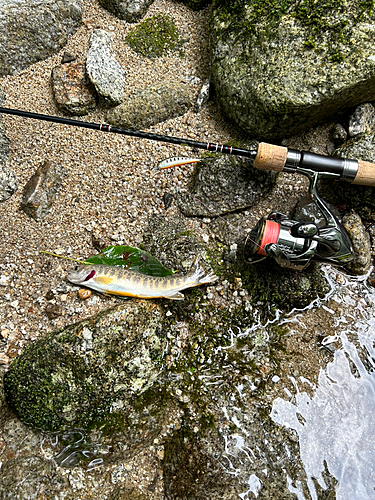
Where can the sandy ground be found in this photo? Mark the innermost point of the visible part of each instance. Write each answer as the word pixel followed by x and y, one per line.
pixel 110 190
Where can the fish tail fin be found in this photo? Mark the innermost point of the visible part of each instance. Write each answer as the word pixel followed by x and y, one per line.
pixel 198 274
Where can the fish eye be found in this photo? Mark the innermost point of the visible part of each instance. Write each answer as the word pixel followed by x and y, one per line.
pixel 76 268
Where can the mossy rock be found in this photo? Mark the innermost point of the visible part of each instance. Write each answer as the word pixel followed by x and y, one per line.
pixel 282 67
pixel 155 37
pixel 98 372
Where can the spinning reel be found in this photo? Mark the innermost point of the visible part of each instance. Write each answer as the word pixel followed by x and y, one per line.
pixel 294 244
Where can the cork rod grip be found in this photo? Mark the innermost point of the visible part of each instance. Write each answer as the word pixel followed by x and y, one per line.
pixel 270 157
pixel 365 174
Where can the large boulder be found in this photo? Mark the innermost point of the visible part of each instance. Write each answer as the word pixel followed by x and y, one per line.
pixel 90 372
pixel 32 30
pixel 282 70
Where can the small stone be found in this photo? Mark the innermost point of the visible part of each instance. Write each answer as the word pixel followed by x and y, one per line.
pixel 84 294
pixel 12 351
pixel 67 58
pixel 53 311
pixel 50 295
pixel 362 120
pixel 339 134
pixel 4 280
pixel 8 183
pixel 203 97
pixel 4 359
pixel 41 190
pixel 71 88
pixel 4 333
pixel 99 243
pixel 167 200
pixel 105 73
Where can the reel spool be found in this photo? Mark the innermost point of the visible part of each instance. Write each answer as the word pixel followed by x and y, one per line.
pixel 294 244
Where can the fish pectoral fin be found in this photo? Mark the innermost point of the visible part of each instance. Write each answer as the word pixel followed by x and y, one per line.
pixel 103 280
pixel 175 296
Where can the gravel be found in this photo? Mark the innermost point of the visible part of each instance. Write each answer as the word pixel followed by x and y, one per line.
pixel 110 189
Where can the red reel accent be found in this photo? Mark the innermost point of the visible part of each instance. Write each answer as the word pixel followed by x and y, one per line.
pixel 271 233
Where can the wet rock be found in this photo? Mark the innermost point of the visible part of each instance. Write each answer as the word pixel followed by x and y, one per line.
pixel 223 185
pixel 173 241
pixel 8 183
pixel 361 243
pixel 96 371
pixel 203 96
pixel 278 71
pixel 105 73
pixel 347 196
pixel 152 105
pixel 41 190
pixel 71 89
pixel 129 10
pixel 186 458
pixel 362 120
pixel 33 30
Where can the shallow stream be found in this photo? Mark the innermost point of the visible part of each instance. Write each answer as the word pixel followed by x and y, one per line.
pixel 329 416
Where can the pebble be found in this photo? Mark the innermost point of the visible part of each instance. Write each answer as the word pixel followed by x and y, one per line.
pixel 84 294
pixel 4 359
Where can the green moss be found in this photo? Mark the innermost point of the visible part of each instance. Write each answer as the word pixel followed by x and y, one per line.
pixel 155 37
pixel 328 22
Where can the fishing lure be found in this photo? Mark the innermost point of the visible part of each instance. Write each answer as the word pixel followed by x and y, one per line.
pixel 176 161
pixel 125 282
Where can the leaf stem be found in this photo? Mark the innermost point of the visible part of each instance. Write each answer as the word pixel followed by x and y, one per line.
pixel 63 257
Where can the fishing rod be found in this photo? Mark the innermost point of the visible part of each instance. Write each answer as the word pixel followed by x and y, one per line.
pixel 266 156
pixel 292 243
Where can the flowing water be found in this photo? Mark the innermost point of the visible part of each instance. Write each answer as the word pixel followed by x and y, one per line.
pixel 315 432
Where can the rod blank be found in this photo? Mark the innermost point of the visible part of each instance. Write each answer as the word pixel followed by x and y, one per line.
pixel 216 148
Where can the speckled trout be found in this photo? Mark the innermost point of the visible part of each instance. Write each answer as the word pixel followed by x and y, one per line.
pixel 117 281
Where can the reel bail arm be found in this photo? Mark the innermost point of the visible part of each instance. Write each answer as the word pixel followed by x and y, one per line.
pixel 294 244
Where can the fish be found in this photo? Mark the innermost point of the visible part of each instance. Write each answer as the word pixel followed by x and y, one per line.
pixel 115 280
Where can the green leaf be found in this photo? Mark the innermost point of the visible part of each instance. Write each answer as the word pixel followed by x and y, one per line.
pixel 130 258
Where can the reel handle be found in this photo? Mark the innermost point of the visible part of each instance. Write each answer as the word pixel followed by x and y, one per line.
pixel 279 158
